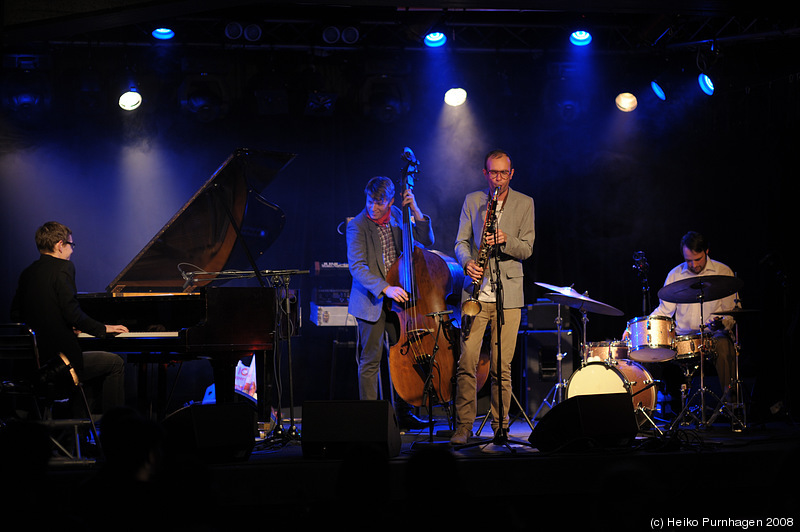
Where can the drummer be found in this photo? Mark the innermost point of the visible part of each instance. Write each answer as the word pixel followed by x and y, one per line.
pixel 697 263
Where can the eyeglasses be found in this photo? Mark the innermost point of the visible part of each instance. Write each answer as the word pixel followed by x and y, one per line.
pixel 501 173
pixel 70 243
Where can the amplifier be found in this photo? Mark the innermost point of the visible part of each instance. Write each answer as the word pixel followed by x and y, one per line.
pixel 331 316
pixel 331 296
pixel 542 315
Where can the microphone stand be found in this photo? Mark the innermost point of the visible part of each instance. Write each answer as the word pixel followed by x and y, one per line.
pixel 642 267
pixel 428 389
pixel 282 279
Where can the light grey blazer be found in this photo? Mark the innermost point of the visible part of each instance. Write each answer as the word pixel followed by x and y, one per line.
pixel 365 259
pixel 517 222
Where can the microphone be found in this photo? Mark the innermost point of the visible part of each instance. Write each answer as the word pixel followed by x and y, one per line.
pixel 440 313
pixel 640 261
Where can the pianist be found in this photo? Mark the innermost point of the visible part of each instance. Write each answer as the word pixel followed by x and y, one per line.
pixel 46 301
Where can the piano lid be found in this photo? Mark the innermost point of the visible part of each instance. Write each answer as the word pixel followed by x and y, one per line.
pixel 204 234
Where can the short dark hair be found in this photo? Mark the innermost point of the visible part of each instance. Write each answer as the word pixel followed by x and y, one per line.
pixel 494 154
pixel 694 241
pixel 379 188
pixel 50 234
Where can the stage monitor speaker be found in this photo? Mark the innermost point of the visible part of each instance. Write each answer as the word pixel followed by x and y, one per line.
pixel 330 429
pixel 223 432
pixel 585 422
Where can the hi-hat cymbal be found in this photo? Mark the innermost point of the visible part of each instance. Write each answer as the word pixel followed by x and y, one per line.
pixel 572 298
pixel 709 287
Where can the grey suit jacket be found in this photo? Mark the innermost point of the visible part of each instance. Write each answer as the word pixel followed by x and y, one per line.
pixel 517 222
pixel 365 260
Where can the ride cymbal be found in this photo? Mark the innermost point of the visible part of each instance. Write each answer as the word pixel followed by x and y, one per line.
pixel 709 287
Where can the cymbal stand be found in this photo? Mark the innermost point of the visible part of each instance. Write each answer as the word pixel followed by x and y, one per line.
pixel 738 423
pixel 702 391
pixel 556 393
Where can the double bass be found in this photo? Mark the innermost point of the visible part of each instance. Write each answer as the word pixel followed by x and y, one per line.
pixel 423 360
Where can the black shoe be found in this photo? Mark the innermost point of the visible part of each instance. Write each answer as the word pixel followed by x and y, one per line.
pixel 408 421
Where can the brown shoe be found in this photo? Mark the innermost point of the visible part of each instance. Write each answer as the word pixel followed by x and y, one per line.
pixel 461 435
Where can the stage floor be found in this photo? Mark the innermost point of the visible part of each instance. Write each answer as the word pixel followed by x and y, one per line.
pixel 662 480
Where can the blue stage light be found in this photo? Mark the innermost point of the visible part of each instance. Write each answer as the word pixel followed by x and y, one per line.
pixel 706 85
pixel 163 34
pixel 435 39
pixel 580 38
pixel 658 90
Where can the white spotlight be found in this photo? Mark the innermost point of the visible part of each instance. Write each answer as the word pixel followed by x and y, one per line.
pixel 455 97
pixel 130 99
pixel 626 102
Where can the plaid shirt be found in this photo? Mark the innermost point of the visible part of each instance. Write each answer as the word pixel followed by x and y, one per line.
pixel 387 243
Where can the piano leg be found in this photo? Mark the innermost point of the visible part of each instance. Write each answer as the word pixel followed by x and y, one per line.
pixel 144 397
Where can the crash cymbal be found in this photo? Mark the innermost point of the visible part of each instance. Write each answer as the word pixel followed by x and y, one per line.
pixel 572 298
pixel 710 287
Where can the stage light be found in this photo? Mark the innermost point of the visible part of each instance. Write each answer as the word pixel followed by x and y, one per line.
pixel 320 103
pixel 130 99
pixel 27 95
pixel 455 97
pixel 233 30
pixel 252 32
pixel 204 96
pixel 580 38
pixel 331 34
pixel 385 98
pixel 626 102
pixel 435 39
pixel 350 35
pixel 658 90
pixel 163 34
pixel 706 84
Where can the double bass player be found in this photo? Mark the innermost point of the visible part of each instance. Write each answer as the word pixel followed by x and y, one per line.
pixel 374 243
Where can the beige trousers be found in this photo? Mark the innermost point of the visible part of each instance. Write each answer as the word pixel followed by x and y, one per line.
pixel 466 375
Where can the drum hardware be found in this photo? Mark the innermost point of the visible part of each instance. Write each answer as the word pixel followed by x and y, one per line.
pixel 573 299
pixel 699 290
pixel 645 413
pixel 738 412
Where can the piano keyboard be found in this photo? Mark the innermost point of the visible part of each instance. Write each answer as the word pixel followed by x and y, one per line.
pixel 161 334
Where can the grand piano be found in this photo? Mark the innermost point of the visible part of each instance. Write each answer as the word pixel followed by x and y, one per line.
pixel 195 290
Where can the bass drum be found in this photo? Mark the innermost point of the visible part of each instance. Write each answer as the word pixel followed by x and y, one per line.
pixel 623 376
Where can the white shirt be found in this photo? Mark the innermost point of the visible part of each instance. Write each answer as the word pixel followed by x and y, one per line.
pixel 687 315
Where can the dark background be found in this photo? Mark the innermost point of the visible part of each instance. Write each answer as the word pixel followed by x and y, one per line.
pixel 606 184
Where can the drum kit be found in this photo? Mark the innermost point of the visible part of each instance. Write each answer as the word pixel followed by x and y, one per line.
pixel 616 366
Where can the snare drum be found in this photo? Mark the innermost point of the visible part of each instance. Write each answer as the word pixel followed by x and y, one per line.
pixel 605 351
pixel 624 376
pixel 652 339
pixel 689 345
